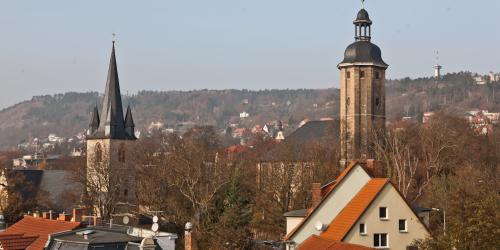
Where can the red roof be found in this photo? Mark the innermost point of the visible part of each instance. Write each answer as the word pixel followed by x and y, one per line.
pixel 315 242
pixel 35 229
pixel 350 214
pixel 16 241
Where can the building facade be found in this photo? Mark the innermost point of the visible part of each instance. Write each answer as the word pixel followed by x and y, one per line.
pixel 362 93
pixel 110 140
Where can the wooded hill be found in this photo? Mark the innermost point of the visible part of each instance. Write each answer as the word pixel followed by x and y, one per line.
pixel 69 113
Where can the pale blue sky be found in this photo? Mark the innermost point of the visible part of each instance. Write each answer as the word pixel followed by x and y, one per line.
pixel 49 47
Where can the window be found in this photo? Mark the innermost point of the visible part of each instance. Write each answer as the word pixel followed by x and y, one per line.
pixel 348 101
pixel 348 75
pixel 361 74
pixel 402 225
pixel 382 213
pixel 125 193
pixel 377 101
pixel 362 229
pixel 380 240
pixel 98 152
pixel 377 75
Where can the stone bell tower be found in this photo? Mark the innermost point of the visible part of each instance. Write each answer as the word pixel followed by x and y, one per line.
pixel 362 93
pixel 110 139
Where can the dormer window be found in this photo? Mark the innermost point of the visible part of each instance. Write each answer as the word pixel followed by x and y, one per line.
pixel 382 213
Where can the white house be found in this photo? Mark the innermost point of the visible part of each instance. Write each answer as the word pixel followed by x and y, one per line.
pixel 357 209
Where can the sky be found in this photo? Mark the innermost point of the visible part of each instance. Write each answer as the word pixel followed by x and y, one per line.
pixel 49 47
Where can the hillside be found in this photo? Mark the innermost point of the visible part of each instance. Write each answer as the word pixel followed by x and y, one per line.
pixel 68 114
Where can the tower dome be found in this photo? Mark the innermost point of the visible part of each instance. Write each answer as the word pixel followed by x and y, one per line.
pixel 363 51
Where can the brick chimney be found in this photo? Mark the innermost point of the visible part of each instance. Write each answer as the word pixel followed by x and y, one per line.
pixel 316 194
pixel 64 217
pixel 375 168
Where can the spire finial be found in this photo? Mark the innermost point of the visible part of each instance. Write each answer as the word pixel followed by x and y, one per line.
pixel 363 3
pixel 114 38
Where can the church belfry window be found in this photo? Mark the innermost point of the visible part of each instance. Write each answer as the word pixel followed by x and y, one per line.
pixel 377 75
pixel 98 152
pixel 361 74
pixel 348 75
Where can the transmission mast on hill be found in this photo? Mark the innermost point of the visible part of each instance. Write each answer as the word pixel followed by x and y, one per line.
pixel 437 67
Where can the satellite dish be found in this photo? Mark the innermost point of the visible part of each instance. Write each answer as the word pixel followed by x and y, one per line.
pixel 155 219
pixel 155 227
pixel 319 226
pixel 126 220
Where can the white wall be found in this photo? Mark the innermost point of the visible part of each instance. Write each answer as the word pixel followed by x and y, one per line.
pixel 397 209
pixel 334 203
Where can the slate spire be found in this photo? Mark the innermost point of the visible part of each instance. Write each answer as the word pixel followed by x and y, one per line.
pixel 109 123
pixel 129 123
pixel 94 121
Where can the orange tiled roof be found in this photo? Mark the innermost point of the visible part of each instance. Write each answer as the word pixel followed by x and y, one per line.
pixel 327 191
pixel 16 241
pixel 38 229
pixel 350 214
pixel 315 242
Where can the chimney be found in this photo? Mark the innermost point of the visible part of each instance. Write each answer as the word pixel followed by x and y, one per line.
pixel 36 214
pixel 45 215
pixel 50 214
pixel 188 237
pixel 376 168
pixel 77 215
pixel 64 217
pixel 316 194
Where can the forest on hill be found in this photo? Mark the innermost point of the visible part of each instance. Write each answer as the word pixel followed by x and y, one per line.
pixel 68 114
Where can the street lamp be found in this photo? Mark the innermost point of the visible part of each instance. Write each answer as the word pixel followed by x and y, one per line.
pixel 444 218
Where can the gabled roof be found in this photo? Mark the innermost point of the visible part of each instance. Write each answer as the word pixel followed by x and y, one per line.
pixel 329 188
pixel 350 214
pixel 315 242
pixel 30 227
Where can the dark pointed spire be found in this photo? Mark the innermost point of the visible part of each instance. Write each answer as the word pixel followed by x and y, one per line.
pixel 94 121
pixel 111 122
pixel 112 109
pixel 129 123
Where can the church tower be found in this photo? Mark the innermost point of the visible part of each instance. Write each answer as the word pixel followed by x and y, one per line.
pixel 110 139
pixel 362 93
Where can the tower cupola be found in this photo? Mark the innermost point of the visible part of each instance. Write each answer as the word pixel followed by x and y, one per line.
pixel 363 26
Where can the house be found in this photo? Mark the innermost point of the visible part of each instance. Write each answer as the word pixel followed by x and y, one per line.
pixel 360 207
pixel 481 121
pixel 244 115
pixel 427 116
pixel 33 232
